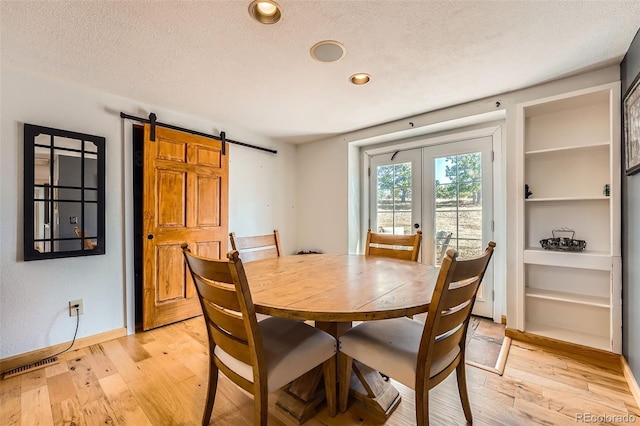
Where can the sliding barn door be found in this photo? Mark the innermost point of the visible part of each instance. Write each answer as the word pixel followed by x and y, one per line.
pixel 185 201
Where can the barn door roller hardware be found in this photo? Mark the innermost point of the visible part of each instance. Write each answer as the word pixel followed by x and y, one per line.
pixel 152 120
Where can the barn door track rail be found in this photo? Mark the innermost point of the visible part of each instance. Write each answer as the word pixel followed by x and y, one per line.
pixel 152 120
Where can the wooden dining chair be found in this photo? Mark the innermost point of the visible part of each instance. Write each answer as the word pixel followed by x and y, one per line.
pixel 421 355
pixel 257 247
pixel 442 244
pixel 260 357
pixel 405 247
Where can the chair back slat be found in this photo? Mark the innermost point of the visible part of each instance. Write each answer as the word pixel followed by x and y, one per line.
pixel 227 320
pixel 257 247
pixel 446 343
pixel 210 271
pixel 468 268
pixel 243 243
pixel 391 253
pixel 225 296
pixel 450 309
pixel 460 293
pixel 452 319
pixel 235 377
pixel 234 346
pixel 405 247
pixel 253 255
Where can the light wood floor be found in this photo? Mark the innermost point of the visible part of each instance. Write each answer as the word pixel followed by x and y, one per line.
pixel 159 378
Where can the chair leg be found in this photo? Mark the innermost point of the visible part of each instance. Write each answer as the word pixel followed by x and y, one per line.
pixel 261 407
pixel 211 392
pixel 422 405
pixel 329 370
pixel 462 390
pixel 345 363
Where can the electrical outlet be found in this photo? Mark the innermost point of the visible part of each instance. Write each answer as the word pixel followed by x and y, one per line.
pixel 72 307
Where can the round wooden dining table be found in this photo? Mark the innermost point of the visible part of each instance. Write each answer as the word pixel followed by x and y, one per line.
pixel 333 290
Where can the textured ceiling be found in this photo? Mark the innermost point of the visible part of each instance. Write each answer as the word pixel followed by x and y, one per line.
pixel 211 60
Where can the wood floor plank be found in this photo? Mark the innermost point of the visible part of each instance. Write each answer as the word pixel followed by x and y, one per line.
pixel 35 408
pixel 133 346
pixel 84 379
pixel 123 402
pixel 10 399
pixel 532 413
pixel 570 404
pixel 162 386
pixel 102 365
pixel 153 405
pixel 99 413
pixel 622 395
pixel 68 412
pixel 592 376
pixel 187 350
pixel 124 363
pixel 55 369
pixel 61 387
pixel 33 380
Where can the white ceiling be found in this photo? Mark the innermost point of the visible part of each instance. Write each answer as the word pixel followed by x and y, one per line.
pixel 209 59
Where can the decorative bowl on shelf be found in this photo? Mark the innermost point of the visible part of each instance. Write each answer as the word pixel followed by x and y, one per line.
pixel 563 240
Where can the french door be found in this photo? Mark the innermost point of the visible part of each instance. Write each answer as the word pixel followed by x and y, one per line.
pixel 446 191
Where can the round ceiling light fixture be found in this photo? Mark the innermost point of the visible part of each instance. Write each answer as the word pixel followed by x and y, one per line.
pixel 360 78
pixel 265 11
pixel 328 51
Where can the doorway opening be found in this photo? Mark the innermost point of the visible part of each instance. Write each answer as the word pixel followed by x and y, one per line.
pixel 444 189
pixel 138 170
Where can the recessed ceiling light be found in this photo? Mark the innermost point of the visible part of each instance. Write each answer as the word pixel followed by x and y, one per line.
pixel 265 11
pixel 328 51
pixel 360 78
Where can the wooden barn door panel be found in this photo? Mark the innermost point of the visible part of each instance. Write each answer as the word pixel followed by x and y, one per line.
pixel 185 201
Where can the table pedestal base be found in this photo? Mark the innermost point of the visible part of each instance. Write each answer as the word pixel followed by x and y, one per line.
pixel 301 398
pixel 378 396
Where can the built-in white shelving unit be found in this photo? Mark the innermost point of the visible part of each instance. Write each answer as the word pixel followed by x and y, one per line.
pixel 570 147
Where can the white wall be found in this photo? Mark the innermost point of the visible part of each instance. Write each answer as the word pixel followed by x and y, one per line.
pixel 34 295
pixel 323 170
pixel 630 70
pixel 323 196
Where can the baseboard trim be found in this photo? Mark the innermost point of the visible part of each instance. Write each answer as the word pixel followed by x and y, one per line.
pixel 631 380
pixel 503 320
pixel 15 361
pixel 582 353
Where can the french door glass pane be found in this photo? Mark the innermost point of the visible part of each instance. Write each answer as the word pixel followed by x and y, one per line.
pixel 458 204
pixel 394 197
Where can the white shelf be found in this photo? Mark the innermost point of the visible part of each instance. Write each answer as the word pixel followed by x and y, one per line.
pixel 565 148
pixel 579 338
pixel 563 199
pixel 581 299
pixel 586 259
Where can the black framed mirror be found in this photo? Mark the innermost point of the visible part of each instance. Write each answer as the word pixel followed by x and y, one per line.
pixel 64 193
